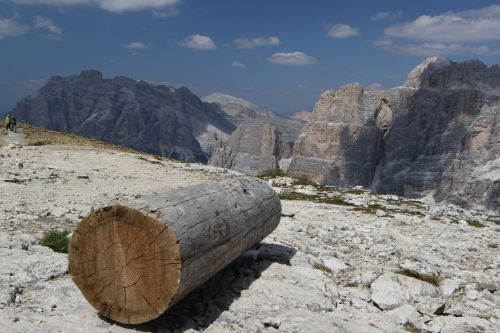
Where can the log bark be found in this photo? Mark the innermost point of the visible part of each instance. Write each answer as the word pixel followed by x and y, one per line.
pixel 133 261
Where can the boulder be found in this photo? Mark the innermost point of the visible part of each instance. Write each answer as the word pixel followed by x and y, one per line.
pixel 390 290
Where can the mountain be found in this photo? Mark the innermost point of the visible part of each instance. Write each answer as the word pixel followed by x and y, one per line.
pixel 158 119
pixel 437 135
pixel 252 149
pixel 240 111
pixel 302 115
pixel 262 141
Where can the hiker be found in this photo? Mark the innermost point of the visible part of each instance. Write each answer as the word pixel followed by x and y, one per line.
pixel 13 123
pixel 7 122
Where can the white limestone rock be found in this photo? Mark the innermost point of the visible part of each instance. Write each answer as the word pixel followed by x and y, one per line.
pixel 391 290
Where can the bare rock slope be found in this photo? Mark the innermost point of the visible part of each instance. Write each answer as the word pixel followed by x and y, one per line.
pixel 340 260
pixel 437 135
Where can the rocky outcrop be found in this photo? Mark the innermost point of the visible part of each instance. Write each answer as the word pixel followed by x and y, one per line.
pixel 438 134
pixel 390 290
pixel 342 143
pixel 302 115
pixel 252 149
pixel 158 119
pixel 242 112
pixel 326 268
pixel 262 141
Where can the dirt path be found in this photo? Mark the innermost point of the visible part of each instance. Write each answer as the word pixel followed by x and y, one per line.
pixel 9 137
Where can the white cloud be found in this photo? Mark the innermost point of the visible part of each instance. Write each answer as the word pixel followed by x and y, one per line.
pixel 238 65
pixel 110 5
pixel 450 33
pixel 383 42
pixel 292 58
pixel 485 51
pixel 10 27
pixel 246 43
pixel 461 27
pixel 136 45
pixel 421 49
pixel 342 31
pixel 45 23
pixel 167 12
pixel 198 42
pixel 389 15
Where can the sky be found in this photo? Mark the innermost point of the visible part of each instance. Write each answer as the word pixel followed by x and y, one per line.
pixel 281 54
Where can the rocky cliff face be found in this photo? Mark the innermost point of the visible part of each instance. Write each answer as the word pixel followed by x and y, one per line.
pixel 302 115
pixel 438 134
pixel 263 140
pixel 242 112
pixel 252 149
pixel 158 119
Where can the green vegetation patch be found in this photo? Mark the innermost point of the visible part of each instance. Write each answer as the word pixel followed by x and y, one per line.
pixel 314 198
pixel 409 212
pixel 157 160
pixel 41 143
pixel 494 219
pixel 475 224
pixel 56 240
pixel 272 173
pixel 432 279
pixel 322 268
pixel 305 182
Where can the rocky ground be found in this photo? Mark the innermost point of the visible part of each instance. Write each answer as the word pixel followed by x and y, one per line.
pixel 340 261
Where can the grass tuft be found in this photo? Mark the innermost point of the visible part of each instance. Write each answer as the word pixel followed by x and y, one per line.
pixel 494 219
pixel 475 224
pixel 56 240
pixel 304 182
pixel 322 268
pixel 432 279
pixel 272 173
pixel 314 198
pixel 40 143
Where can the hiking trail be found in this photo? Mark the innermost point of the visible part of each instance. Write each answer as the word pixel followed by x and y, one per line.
pixel 10 137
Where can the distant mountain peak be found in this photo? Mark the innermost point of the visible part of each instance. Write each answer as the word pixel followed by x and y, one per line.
pixel 414 78
pixel 240 111
pixel 91 75
pixel 224 99
pixel 303 115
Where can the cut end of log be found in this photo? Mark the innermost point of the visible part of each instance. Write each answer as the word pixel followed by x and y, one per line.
pixel 126 263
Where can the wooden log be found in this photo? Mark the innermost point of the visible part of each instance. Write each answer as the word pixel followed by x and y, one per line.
pixel 133 261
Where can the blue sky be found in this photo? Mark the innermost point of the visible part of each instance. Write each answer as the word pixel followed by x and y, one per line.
pixel 277 53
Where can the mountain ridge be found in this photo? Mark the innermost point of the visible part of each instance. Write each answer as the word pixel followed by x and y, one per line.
pixel 242 112
pixel 159 119
pixel 432 134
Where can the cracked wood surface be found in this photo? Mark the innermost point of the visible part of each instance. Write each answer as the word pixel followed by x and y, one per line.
pixel 133 261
